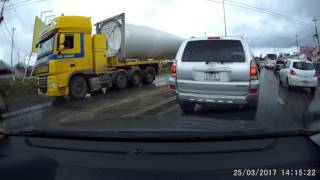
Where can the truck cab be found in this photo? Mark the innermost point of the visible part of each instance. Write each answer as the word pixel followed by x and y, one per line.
pixel 65 49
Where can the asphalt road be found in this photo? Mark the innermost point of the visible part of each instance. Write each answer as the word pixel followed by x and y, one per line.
pixel 154 106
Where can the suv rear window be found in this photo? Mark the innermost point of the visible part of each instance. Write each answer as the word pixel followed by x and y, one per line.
pixel 214 51
pixel 272 56
pixel 303 66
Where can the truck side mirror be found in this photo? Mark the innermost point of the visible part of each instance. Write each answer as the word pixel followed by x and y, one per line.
pixel 61 41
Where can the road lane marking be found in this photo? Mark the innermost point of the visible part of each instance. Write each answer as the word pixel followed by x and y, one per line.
pixel 172 108
pixel 100 108
pixel 281 101
pixel 26 110
pixel 151 107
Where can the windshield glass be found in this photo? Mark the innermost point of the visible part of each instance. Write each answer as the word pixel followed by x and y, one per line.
pixel 272 56
pixel 160 66
pixel 303 66
pixel 46 47
pixel 214 51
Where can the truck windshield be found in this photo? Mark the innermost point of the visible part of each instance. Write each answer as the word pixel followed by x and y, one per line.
pixel 45 47
pixel 214 51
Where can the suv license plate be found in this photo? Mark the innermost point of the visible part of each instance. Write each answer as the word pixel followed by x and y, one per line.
pixel 212 76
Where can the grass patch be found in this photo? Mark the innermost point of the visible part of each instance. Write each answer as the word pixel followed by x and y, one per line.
pixel 10 88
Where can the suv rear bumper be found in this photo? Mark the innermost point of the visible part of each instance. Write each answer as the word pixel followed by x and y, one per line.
pixel 251 99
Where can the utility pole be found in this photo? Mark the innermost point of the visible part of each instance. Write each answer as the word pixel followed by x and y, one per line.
pixel 13 29
pixel 2 9
pixel 297 43
pixel 18 56
pixel 224 17
pixel 316 30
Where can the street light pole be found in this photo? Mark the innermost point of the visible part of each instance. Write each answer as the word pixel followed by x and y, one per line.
pixel 13 29
pixel 224 17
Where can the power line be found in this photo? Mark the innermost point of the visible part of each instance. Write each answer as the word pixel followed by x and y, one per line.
pixel 21 5
pixel 18 3
pixel 260 10
pixel 22 21
pixel 272 12
pixel 6 27
pixel 5 34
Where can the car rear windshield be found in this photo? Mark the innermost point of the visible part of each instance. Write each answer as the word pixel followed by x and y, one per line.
pixel 303 66
pixel 316 66
pixel 214 51
pixel 272 56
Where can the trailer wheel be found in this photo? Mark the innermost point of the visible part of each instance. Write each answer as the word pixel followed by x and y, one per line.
pixel 136 77
pixel 149 74
pixel 121 80
pixel 78 87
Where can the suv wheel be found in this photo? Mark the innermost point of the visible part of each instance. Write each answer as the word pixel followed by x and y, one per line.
pixel 313 90
pixel 187 107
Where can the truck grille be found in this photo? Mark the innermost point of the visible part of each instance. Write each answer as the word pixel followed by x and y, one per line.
pixel 42 81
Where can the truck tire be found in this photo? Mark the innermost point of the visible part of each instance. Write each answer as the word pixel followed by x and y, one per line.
pixel 78 87
pixel 187 107
pixel 120 80
pixel 149 75
pixel 136 77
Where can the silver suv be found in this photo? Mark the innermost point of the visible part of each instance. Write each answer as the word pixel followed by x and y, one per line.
pixel 215 71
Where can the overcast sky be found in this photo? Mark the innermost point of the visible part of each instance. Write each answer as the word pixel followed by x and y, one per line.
pixel 265 33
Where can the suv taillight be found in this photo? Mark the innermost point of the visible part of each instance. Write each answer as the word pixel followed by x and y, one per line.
pixel 174 70
pixel 253 71
pixel 292 72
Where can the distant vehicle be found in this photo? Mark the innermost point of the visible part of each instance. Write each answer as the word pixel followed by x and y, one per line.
pixel 215 70
pixel 261 63
pixel 257 61
pixel 300 73
pixel 279 64
pixel 286 55
pixel 270 61
pixel 317 68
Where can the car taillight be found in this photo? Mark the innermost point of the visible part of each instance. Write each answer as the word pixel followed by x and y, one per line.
pixel 253 71
pixel 172 87
pixel 174 70
pixel 292 72
pixel 213 38
pixel 253 90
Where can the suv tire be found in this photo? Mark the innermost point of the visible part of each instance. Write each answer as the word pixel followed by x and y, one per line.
pixel 187 107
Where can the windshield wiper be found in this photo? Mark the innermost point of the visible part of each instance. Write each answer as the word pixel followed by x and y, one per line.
pixel 159 136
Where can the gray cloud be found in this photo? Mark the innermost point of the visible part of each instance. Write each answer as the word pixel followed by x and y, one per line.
pixel 262 30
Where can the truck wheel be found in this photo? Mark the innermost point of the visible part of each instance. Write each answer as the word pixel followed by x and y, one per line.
pixel 187 107
pixel 78 87
pixel 149 74
pixel 121 80
pixel 136 77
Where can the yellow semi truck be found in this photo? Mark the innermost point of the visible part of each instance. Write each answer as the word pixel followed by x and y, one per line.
pixel 72 61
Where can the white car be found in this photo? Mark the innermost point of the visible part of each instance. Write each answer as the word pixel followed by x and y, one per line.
pixel 300 73
pixel 271 61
